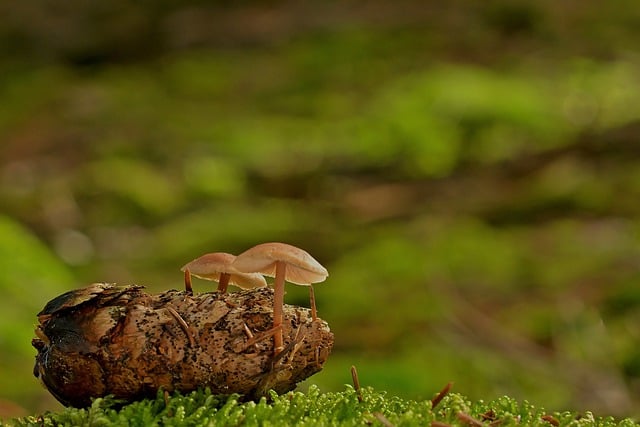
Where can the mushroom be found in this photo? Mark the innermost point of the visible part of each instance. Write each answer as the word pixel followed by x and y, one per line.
pixel 285 263
pixel 217 266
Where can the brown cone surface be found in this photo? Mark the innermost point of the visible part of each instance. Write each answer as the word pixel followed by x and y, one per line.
pixel 107 339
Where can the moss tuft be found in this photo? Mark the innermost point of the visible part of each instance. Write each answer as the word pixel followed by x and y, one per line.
pixel 313 408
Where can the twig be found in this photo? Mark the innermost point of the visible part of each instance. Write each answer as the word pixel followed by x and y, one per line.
pixel 356 382
pixel 441 395
pixel 551 420
pixel 286 349
pixel 182 324
pixel 383 419
pixel 297 339
pixel 257 338
pixel 468 419
pixel 491 418
pixel 249 334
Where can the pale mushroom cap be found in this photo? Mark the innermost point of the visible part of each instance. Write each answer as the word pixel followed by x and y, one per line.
pixel 302 268
pixel 211 266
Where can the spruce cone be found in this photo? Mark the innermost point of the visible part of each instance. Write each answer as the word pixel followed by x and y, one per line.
pixel 106 339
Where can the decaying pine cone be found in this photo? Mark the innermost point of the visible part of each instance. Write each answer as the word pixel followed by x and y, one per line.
pixel 106 339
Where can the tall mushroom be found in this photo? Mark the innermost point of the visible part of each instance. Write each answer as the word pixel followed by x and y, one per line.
pixel 217 266
pixel 285 263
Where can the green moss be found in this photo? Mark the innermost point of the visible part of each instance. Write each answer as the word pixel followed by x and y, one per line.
pixel 312 408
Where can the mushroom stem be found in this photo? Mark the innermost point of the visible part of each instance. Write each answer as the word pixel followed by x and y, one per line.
pixel 312 300
pixel 278 305
pixel 187 281
pixel 224 282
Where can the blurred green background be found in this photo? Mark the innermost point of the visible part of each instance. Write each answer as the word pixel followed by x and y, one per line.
pixel 467 172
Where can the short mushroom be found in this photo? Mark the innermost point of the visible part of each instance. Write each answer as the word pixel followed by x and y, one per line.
pixel 217 266
pixel 285 263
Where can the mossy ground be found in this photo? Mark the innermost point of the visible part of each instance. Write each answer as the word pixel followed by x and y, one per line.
pixel 314 408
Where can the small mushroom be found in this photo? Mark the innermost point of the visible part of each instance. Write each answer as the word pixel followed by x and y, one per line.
pixel 285 263
pixel 217 266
